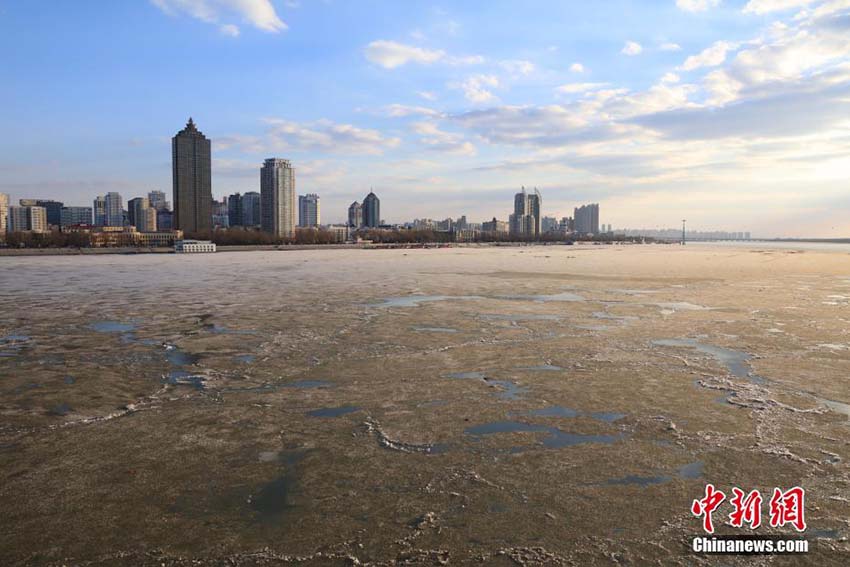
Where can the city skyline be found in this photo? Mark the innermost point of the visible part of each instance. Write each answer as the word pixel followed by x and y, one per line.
pixel 730 114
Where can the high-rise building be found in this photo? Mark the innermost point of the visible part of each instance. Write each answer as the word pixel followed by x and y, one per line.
pixel 371 211
pixel 76 215
pixel 587 219
pixel 234 210
pixel 164 220
pixel 141 214
pixel 250 209
pixel 135 206
pixel 99 210
pixel 23 219
pixel 4 213
pixel 191 156
pixel 549 224
pixel 355 215
pixel 277 197
pixel 219 216
pixel 525 221
pixel 113 209
pixel 308 210
pixel 158 202
pixel 495 226
pixel 53 208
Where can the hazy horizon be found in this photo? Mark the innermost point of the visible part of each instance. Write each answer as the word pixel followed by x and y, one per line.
pixel 732 114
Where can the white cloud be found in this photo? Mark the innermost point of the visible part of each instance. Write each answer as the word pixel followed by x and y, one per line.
pixel 670 78
pixel 326 136
pixel 229 30
pixel 577 68
pixel 631 48
pixel 427 95
pixel 439 140
pixel 391 54
pixel 709 57
pixel 670 46
pixel 573 88
pixel 696 5
pixel 518 67
pixel 401 110
pixel 258 13
pixel 475 88
pixel 767 6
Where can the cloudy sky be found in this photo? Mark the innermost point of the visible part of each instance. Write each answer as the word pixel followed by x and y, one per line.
pixel 734 114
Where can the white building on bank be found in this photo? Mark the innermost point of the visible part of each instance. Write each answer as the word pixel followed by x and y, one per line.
pixel 194 246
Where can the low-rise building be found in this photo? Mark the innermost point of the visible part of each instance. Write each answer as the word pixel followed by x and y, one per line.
pixel 194 246
pixel 340 232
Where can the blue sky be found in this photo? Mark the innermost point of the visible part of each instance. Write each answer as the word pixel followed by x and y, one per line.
pixel 733 114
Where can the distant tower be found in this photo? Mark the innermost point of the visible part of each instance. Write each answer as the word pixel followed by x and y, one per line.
pixel 192 178
pixel 4 213
pixel 277 197
pixel 371 211
pixel 251 209
pixel 525 221
pixel 355 215
pixel 308 210
pixel 113 209
pixel 157 200
pixel 235 214
pixel 99 208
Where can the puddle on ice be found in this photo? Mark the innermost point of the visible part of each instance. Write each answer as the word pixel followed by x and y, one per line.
pixel 245 358
pixel 609 317
pixel 681 306
pixel 509 390
pixel 565 296
pixel 519 317
pixel 178 357
pixel 222 330
pixel 736 362
pixel 434 330
pixel 561 411
pixel 542 368
pixel 10 345
pixel 416 300
pixel 554 439
pixel 275 497
pixel 183 378
pixel 333 412
pixel 69 379
pixel 308 384
pixel 687 472
pixel 60 410
pixel 112 327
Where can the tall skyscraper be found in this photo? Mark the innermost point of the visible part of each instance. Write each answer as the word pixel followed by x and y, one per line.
pixel 23 219
pixel 277 197
pixel 586 219
pixel 308 210
pixel 141 214
pixel 53 209
pixel 526 218
pixel 76 215
pixel 4 213
pixel 250 209
pixel 113 209
pixel 157 201
pixel 234 210
pixel 219 214
pixel 355 215
pixel 371 211
pixel 99 209
pixel 164 220
pixel 191 156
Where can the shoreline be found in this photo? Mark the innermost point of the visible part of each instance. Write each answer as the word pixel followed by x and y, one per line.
pixel 10 252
